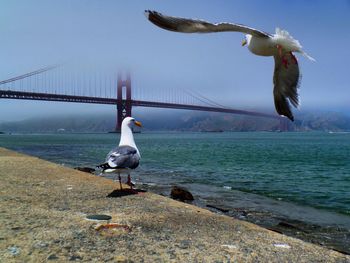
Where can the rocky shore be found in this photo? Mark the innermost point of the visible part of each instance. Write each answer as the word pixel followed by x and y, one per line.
pixel 319 227
pixel 44 210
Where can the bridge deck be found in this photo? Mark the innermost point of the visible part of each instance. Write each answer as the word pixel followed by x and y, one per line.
pixel 8 94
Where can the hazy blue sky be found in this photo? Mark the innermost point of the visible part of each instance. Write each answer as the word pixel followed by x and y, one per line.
pixel 116 34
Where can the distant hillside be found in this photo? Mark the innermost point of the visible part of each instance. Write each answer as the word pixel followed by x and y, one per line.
pixel 325 121
pixel 184 121
pixel 75 123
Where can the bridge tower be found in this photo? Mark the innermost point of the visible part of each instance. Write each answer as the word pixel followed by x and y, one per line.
pixel 123 102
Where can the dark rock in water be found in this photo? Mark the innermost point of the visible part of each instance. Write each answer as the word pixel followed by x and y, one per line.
pixel 85 169
pixel 181 193
pixel 288 225
pixel 99 217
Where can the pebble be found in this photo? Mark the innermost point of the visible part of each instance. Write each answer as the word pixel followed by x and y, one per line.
pixel 230 246
pixel 14 251
pixel 120 259
pixel 281 245
pixel 52 257
pixel 185 244
pixel 40 245
pixel 75 257
pixel 98 217
pixel 172 253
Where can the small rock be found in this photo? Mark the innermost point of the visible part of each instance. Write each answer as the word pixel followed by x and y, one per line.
pixel 67 246
pixel 75 257
pixel 85 169
pixel 40 245
pixel 181 193
pixel 52 257
pixel 172 253
pixel 281 245
pixel 14 251
pixel 229 246
pixel 185 244
pixel 98 217
pixel 120 259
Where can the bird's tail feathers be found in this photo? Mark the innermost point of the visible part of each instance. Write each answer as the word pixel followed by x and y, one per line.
pixel 283 38
pixel 308 56
pixel 106 168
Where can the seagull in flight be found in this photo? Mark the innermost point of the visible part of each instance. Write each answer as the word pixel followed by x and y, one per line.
pixel 281 45
pixel 126 156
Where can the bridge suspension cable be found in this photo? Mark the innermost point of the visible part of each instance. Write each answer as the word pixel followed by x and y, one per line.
pixel 205 100
pixel 36 72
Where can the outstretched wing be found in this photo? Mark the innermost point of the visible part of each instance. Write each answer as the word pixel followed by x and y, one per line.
pixel 123 157
pixel 185 25
pixel 286 81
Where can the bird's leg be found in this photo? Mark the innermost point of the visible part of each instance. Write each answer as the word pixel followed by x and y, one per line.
pixel 284 60
pixel 120 181
pixel 129 181
pixel 279 47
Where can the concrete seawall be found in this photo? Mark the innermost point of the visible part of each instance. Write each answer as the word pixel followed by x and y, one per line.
pixel 43 218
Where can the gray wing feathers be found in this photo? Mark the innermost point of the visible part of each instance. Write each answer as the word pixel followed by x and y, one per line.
pixel 286 83
pixel 185 25
pixel 123 157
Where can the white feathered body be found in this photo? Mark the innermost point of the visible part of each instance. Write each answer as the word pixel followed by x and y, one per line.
pixel 261 46
pixel 268 46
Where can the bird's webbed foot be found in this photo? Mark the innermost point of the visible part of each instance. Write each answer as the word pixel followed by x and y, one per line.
pixel 129 182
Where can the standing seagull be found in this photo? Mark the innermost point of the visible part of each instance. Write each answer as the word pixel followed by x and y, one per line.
pixel 280 45
pixel 126 156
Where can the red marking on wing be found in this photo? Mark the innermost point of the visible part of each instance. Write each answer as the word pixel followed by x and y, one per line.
pixel 285 62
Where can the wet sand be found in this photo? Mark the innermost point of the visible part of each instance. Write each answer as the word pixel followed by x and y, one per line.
pixel 43 217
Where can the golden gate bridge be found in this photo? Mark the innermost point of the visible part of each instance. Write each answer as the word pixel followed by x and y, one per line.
pixel 54 84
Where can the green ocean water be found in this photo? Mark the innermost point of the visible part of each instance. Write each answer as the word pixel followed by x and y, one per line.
pixel 308 169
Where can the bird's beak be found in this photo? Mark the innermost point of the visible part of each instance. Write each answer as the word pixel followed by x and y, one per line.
pixel 244 42
pixel 137 123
